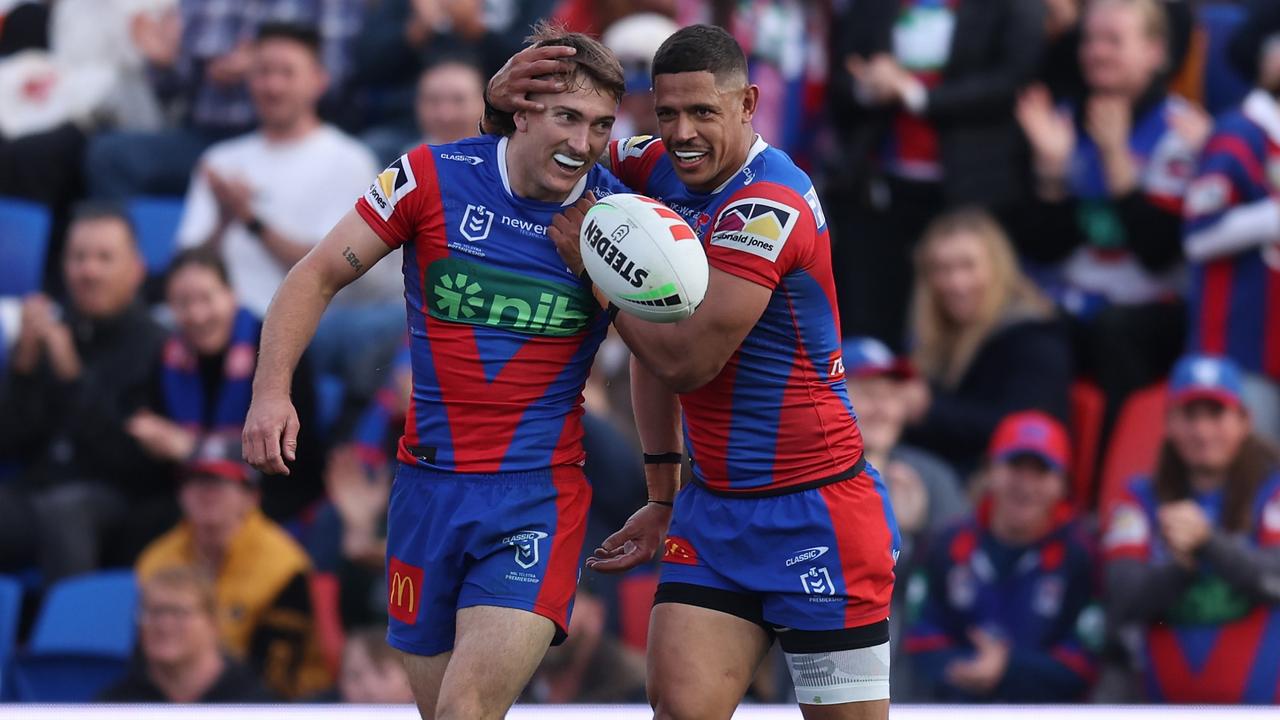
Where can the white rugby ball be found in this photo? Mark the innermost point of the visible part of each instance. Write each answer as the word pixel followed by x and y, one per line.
pixel 644 257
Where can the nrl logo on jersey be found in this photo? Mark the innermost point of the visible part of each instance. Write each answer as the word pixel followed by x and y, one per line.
pixel 526 543
pixel 391 186
pixel 476 223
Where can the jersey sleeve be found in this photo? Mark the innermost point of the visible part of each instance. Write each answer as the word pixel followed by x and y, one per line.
pixel 633 159
pixel 1228 208
pixel 399 197
pixel 762 233
pixel 1127 532
pixel 1267 522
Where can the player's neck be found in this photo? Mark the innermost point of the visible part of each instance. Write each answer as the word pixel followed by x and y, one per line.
pixel 733 163
pixel 296 130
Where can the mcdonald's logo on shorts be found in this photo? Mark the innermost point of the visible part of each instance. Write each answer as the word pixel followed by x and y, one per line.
pixel 404 591
pixel 679 551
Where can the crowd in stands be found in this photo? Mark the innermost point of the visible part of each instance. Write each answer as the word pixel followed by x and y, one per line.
pixel 1056 229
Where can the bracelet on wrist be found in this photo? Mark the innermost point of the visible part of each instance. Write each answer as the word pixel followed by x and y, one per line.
pixel 668 503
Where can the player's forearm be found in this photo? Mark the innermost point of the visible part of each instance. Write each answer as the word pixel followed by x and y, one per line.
pixel 289 326
pixel 657 413
pixel 677 354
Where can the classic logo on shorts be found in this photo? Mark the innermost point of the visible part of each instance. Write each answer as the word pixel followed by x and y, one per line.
pixel 817 581
pixel 757 226
pixel 678 550
pixel 390 186
pixel 806 555
pixel 476 223
pixel 526 544
pixel 404 591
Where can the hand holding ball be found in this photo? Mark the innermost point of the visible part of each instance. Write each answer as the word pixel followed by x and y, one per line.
pixel 644 257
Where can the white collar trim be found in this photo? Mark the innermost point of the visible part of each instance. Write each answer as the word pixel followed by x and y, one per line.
pixel 1263 109
pixel 574 194
pixel 757 147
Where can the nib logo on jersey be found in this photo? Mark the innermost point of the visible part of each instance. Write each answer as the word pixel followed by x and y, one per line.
pixel 476 294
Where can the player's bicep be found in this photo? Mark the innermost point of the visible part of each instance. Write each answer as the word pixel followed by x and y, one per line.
pixel 732 307
pixel 346 252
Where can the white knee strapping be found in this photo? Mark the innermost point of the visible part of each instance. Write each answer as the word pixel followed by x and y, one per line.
pixel 844 676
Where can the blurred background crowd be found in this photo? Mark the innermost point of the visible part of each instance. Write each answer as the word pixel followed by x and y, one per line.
pixel 1056 229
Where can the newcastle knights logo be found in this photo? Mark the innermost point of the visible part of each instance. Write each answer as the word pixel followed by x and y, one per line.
pixel 526 543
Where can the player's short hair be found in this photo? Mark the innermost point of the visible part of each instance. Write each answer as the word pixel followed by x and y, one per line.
pixel 702 48
pixel 593 65
pixel 185 578
pixel 205 256
pixel 305 35
pixel 90 210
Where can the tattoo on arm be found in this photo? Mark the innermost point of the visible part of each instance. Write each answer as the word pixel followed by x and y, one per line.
pixel 352 260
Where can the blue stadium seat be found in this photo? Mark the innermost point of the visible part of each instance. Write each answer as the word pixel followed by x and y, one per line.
pixel 10 612
pixel 24 242
pixel 82 641
pixel 156 221
pixel 88 615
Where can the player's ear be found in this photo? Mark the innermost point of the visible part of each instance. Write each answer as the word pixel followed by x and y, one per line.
pixel 750 101
pixel 521 119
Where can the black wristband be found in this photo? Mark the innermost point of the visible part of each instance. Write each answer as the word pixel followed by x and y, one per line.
pixel 668 503
pixel 254 226
pixel 666 458
pixel 613 312
pixel 585 277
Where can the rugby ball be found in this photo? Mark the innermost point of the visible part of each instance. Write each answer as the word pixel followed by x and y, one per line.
pixel 644 257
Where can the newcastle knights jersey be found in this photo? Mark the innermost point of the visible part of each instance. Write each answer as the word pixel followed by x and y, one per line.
pixel 501 333
pixel 777 417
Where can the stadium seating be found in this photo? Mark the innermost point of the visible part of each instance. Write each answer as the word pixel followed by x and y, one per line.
pixel 10 613
pixel 1135 442
pixel 82 640
pixel 1088 409
pixel 24 242
pixel 156 219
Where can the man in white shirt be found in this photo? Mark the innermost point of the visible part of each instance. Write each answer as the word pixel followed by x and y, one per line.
pixel 267 197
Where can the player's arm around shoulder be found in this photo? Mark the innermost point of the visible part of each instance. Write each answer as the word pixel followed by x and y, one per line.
pixel 270 435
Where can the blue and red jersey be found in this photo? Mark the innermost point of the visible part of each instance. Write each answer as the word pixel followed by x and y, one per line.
pixel 501 333
pixel 1233 234
pixel 1216 643
pixel 777 416
pixel 1038 598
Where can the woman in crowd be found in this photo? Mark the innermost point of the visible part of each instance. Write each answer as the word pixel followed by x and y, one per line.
pixel 1193 553
pixel 986 341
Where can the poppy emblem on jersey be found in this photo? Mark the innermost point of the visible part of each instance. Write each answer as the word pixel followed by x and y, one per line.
pixel 678 550
pixel 390 186
pixel 757 226
pixel 477 221
pixel 526 544
pixel 817 581
pixel 404 590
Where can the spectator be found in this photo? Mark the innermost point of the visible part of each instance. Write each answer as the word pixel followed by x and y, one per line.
pixel 1112 169
pixel 987 343
pixel 88 490
pixel 922 99
pixel 1007 599
pixel 371 670
pixel 1193 552
pixel 924 491
pixel 181 661
pixel 200 63
pixel 1233 231
pixel 450 102
pixel 635 39
pixel 268 197
pixel 259 572
pixel 203 383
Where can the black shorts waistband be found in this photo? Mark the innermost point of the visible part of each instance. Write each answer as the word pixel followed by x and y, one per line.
pixel 851 472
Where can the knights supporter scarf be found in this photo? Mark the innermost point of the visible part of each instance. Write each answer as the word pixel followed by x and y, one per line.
pixel 184 394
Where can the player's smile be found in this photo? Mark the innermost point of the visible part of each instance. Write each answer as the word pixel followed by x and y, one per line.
pixel 690 159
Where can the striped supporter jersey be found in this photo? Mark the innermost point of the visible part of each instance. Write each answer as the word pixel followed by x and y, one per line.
pixel 777 417
pixel 501 333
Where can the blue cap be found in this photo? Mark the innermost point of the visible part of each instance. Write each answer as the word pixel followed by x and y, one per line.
pixel 867 357
pixel 1205 377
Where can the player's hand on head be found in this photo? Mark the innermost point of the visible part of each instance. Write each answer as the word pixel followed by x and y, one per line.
pixel 565 229
pixel 270 437
pixel 638 542
pixel 531 71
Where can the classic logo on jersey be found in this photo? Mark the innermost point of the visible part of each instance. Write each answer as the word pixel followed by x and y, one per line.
pixel 404 590
pixel 390 186
pixel 633 147
pixel 819 218
pixel 1128 528
pixel 475 294
pixel 678 550
pixel 476 223
pixel 526 543
pixel 1208 195
pixel 471 160
pixel 757 226
pixel 817 581
pixel 806 555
